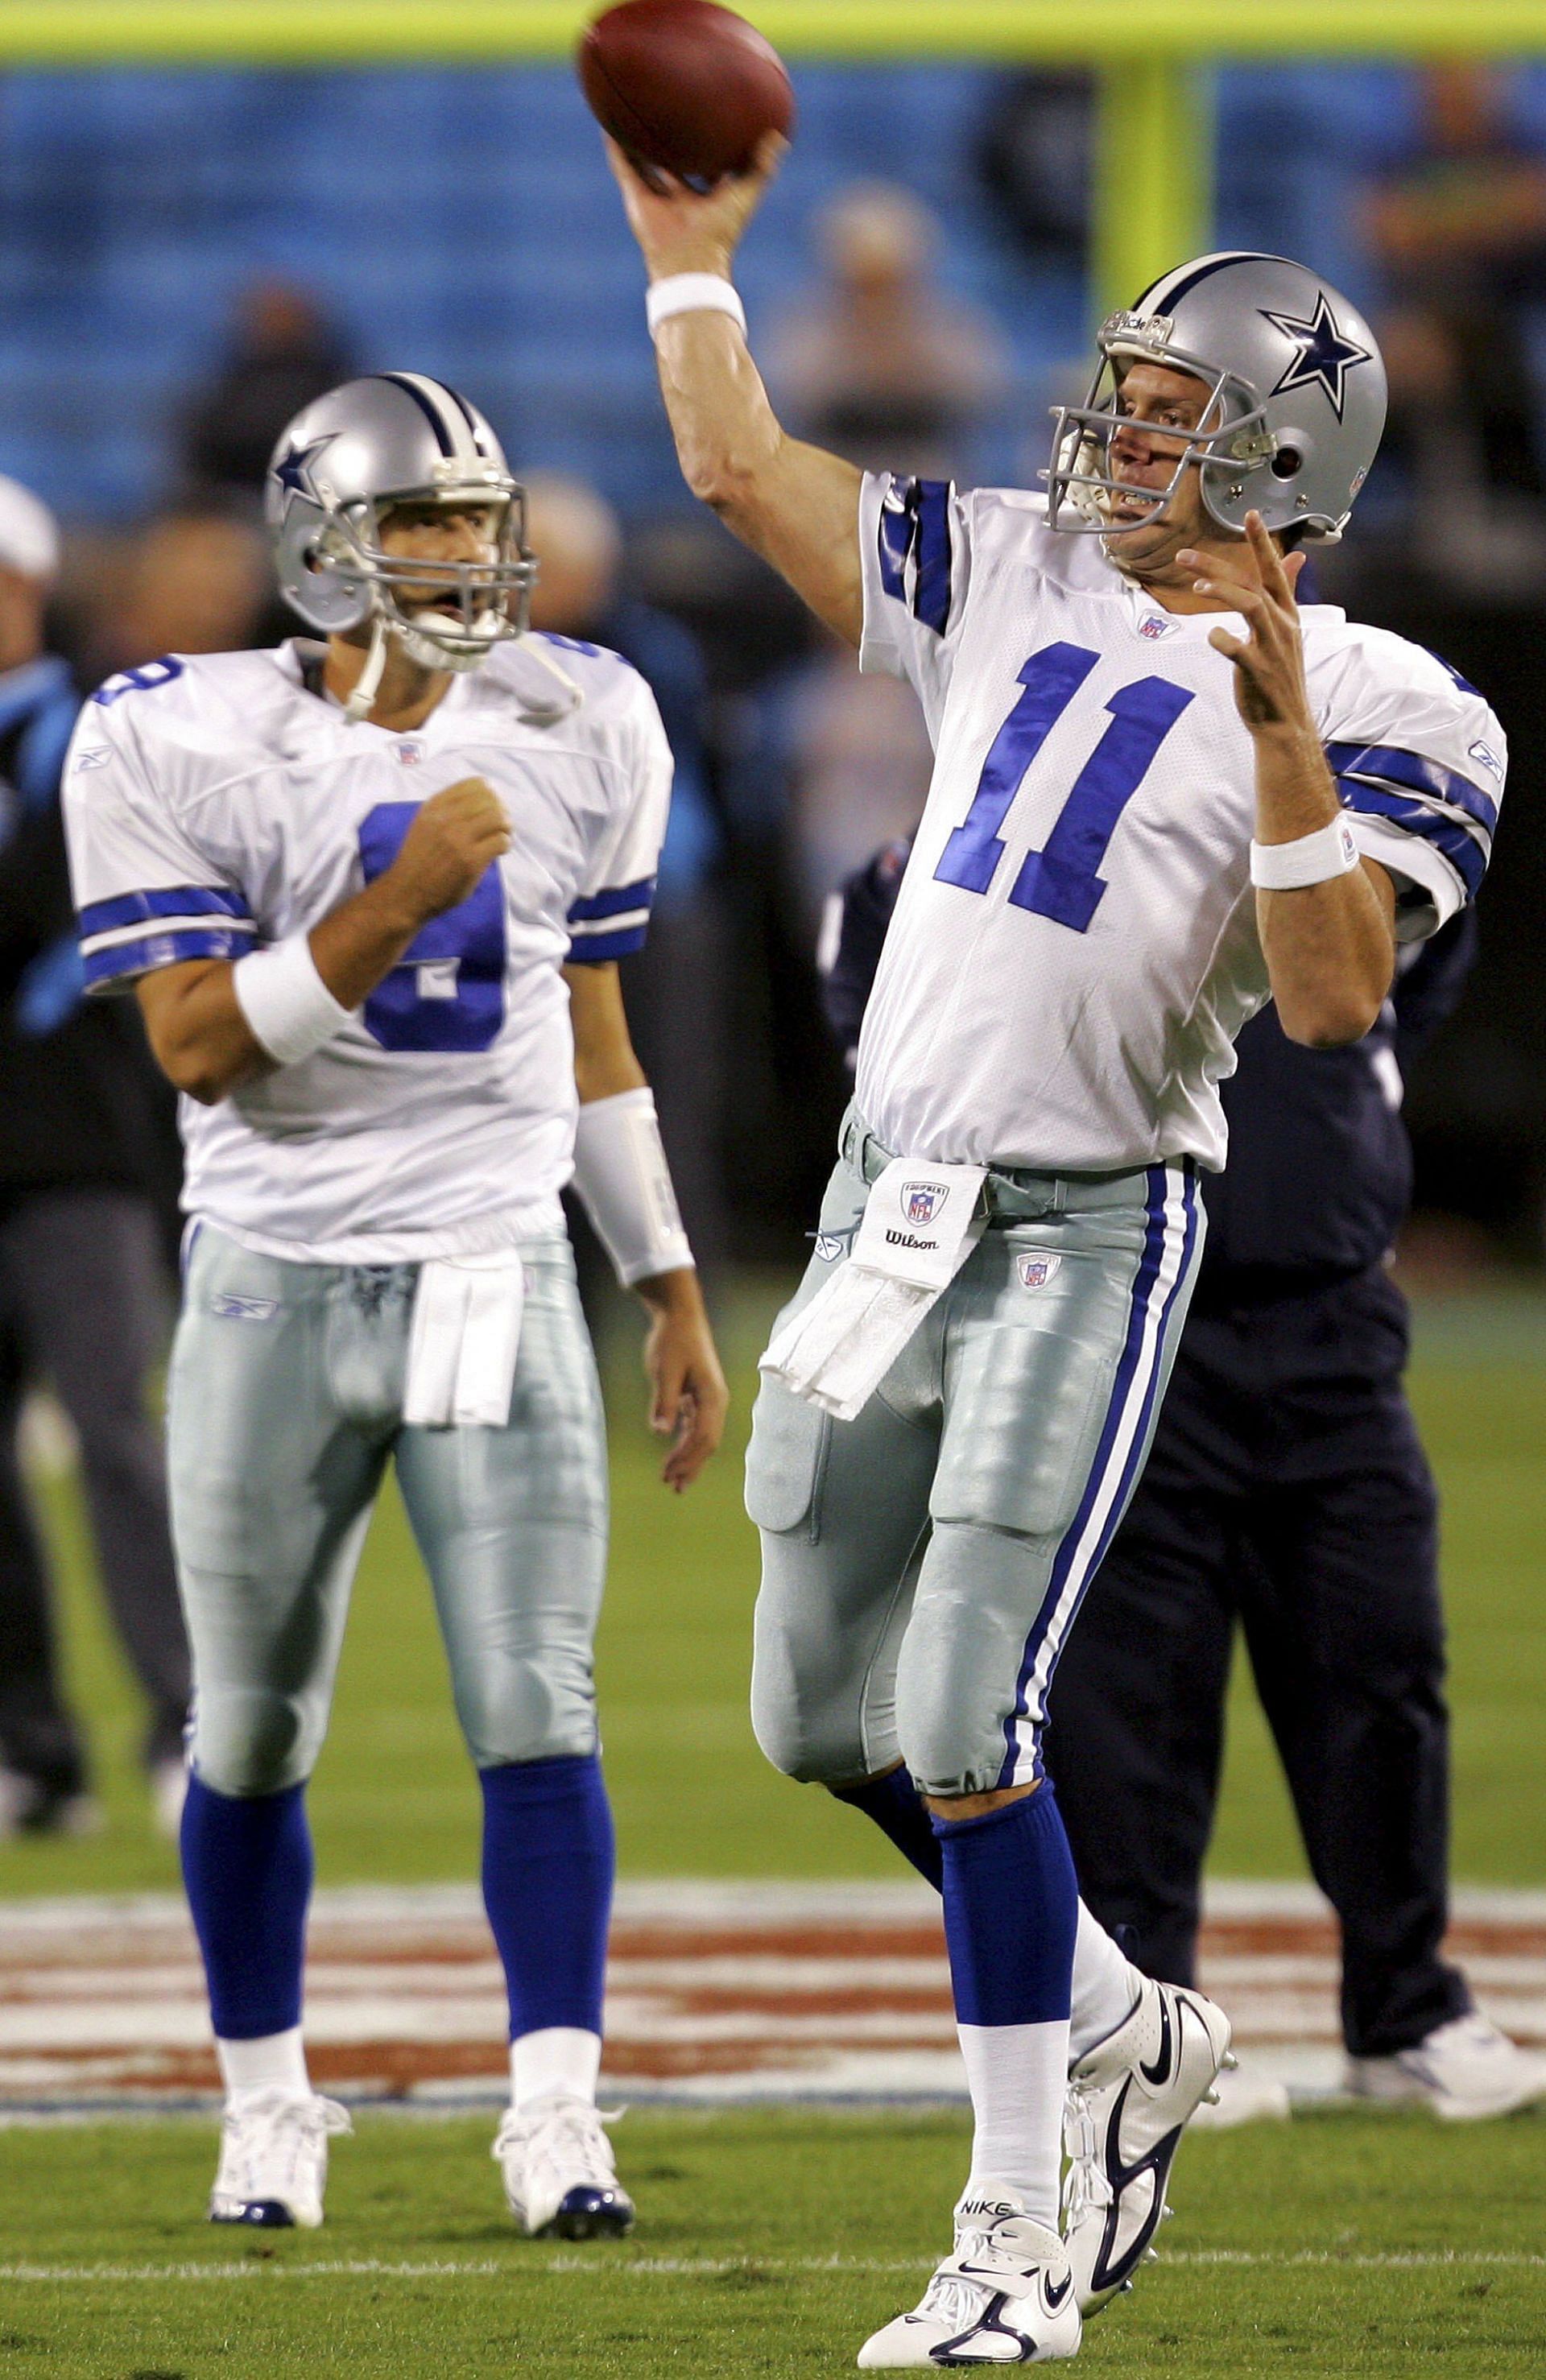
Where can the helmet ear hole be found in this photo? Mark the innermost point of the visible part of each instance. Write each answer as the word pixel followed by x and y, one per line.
pixel 1286 463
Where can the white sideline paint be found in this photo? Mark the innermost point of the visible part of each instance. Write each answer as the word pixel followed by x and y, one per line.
pixel 692 2268
pixel 718 1993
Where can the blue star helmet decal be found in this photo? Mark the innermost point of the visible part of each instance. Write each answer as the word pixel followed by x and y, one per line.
pixel 1325 356
pixel 293 470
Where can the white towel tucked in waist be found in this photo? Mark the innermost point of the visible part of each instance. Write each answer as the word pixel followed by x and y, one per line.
pixel 919 1226
pixel 464 1341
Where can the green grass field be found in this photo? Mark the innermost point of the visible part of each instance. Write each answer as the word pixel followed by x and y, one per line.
pixel 395 1801
pixel 769 2245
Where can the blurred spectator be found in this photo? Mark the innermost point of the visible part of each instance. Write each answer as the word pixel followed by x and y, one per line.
pixel 197 582
pixel 81 1302
pixel 881 365
pixel 1459 230
pixel 282 351
pixel 187 581
pixel 858 763
pixel 675 987
pixel 1033 155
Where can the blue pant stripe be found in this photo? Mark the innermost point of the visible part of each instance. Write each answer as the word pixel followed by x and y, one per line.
pixel 1070 1573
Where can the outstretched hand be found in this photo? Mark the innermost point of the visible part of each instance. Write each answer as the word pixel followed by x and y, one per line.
pixel 1257 580
pixel 684 230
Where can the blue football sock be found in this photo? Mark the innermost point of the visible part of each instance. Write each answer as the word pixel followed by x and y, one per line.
pixel 897 1806
pixel 1011 1906
pixel 548 1862
pixel 246 1865
pixel 1011 1910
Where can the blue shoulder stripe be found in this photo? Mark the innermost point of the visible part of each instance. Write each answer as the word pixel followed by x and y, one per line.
pixel 915 524
pixel 594 950
pixel 932 591
pixel 1393 766
pixel 1459 845
pixel 612 902
pixel 155 951
pixel 173 901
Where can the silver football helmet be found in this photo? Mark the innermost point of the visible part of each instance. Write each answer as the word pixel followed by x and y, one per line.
pixel 1296 398
pixel 343 462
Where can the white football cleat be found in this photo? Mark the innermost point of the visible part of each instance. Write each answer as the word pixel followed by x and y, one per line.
pixel 273 2159
pixel 1243 2094
pixel 1128 2099
pixel 1005 2295
pixel 560 2176
pixel 1462 2070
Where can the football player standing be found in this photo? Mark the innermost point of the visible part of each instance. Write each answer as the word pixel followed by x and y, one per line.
pixel 371 892
pixel 1162 796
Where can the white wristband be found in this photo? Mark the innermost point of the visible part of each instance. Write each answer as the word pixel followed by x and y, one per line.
pixel 692 293
pixel 625 1186
pixel 1311 859
pixel 284 1001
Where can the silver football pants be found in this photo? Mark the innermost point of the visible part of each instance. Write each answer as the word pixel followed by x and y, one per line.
pixel 922 1563
pixel 284 1406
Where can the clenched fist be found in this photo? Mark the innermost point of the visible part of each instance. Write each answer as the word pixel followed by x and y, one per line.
pixel 451 842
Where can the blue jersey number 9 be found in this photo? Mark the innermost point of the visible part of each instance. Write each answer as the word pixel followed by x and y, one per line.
pixel 1062 881
pixel 447 989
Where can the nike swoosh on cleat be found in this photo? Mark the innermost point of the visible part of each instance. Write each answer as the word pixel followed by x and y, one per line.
pixel 1106 2273
pixel 1159 2074
pixel 1054 2297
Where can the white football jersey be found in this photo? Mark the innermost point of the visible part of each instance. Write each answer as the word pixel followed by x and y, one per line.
pixel 215 804
pixel 1073 948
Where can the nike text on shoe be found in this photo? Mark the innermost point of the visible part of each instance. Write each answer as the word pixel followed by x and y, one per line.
pixel 1128 2099
pixel 273 2159
pixel 560 2178
pixel 1005 2295
pixel 1462 2070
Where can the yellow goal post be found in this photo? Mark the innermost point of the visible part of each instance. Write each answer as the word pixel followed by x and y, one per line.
pixel 1153 195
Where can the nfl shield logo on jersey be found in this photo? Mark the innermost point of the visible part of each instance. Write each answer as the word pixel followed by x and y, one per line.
pixel 924 1199
pixel 1036 1271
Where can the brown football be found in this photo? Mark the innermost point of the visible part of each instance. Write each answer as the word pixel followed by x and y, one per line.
pixel 684 85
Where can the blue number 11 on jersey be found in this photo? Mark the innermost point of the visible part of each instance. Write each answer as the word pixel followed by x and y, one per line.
pixel 1061 882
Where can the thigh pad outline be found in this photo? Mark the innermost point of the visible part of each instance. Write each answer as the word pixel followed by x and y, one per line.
pixel 787 1462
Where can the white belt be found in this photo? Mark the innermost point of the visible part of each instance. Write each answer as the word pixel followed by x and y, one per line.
pixel 921 1224
pixel 464 1341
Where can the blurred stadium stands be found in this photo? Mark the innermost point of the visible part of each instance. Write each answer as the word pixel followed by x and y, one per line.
pixel 459 219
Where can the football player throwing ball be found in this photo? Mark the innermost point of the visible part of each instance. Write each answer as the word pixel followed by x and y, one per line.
pixel 1163 794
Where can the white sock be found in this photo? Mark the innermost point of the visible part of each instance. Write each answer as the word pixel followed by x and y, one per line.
pixel 559 2057
pixel 1018 2075
pixel 1107 1985
pixel 275 2061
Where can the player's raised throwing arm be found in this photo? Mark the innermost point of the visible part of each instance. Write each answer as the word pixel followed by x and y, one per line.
pixel 795 504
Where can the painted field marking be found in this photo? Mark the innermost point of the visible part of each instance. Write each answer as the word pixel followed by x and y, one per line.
pixel 718 1993
pixel 707 2267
